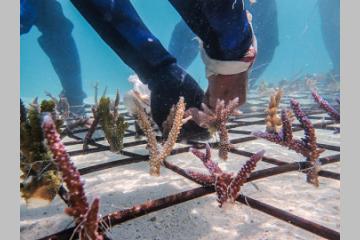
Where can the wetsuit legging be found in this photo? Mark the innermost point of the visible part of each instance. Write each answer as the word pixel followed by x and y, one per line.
pixel 330 26
pixel 57 42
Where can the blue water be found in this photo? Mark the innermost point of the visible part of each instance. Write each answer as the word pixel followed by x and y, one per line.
pixel 301 48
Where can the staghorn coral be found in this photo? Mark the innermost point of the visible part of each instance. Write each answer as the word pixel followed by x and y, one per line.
pixel 273 121
pixel 331 111
pixel 40 179
pixel 159 152
pixel 85 216
pixel 227 186
pixel 216 121
pixel 307 146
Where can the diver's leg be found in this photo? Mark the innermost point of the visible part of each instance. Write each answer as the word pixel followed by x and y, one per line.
pixel 121 28
pixel 183 45
pixel 265 25
pixel 330 26
pixel 222 25
pixel 27 16
pixel 58 44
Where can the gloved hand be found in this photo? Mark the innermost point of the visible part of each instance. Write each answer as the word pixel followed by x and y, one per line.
pixel 168 85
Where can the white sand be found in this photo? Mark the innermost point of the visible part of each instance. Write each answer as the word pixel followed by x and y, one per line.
pixel 127 185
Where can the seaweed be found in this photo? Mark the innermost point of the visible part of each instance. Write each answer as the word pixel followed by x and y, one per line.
pixel 113 124
pixel 40 176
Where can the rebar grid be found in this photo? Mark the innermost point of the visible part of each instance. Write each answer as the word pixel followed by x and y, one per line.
pixel 249 111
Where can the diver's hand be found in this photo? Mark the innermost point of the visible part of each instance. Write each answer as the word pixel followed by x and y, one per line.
pixel 226 87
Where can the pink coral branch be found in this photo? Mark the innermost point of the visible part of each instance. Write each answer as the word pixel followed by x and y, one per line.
pixel 326 106
pixel 92 223
pixel 243 174
pixel 307 146
pixel 206 159
pixel 217 120
pixel 310 138
pixel 201 178
pixel 79 207
pixel 227 186
pixel 286 126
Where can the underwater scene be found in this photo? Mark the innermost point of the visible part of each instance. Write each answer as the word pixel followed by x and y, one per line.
pixel 179 119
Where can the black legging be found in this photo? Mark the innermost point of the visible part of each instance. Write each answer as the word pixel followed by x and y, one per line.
pixel 330 26
pixel 58 44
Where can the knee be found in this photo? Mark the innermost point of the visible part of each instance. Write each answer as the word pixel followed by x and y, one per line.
pixel 52 21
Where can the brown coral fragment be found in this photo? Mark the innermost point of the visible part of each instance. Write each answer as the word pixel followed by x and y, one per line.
pixel 217 120
pixel 86 217
pixel 330 110
pixel 227 185
pixel 159 152
pixel 306 146
pixel 273 121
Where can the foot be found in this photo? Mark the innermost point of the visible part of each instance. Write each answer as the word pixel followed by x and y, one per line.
pixel 78 110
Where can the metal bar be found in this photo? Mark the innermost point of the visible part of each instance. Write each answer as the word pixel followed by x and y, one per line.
pixel 329 174
pixel 290 218
pixel 121 216
pixel 154 205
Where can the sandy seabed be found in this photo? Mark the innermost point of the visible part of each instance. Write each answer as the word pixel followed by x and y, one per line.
pixel 124 186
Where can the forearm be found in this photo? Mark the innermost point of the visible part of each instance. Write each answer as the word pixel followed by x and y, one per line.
pixel 119 25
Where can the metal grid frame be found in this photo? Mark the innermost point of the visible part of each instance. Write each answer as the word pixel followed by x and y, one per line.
pixel 279 167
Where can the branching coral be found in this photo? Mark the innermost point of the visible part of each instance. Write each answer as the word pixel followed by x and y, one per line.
pixel 70 120
pixel 217 120
pixel 159 152
pixel 62 105
pixel 113 124
pixel 85 216
pixel 264 89
pixel 273 121
pixel 307 146
pixel 331 111
pixel 227 186
pixel 40 177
